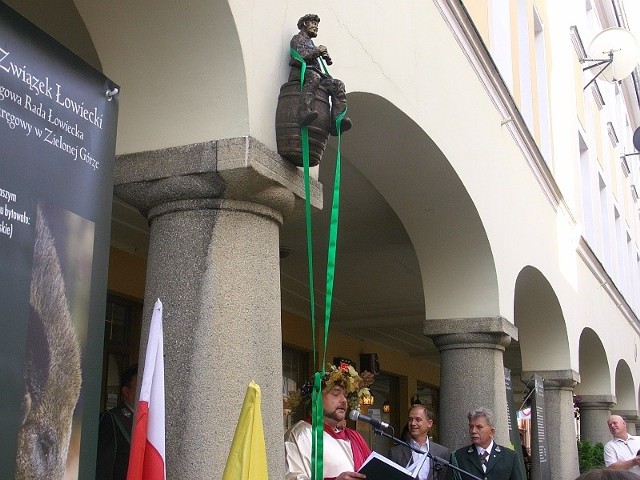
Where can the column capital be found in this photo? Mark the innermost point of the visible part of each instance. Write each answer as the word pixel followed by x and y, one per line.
pixel 596 402
pixel 554 379
pixel 237 169
pixel 627 415
pixel 479 332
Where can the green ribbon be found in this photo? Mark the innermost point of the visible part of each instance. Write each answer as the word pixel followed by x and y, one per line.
pixel 304 139
pixel 317 414
pixel 333 239
pixel 317 429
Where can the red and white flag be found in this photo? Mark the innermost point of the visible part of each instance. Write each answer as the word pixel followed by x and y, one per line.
pixel 147 460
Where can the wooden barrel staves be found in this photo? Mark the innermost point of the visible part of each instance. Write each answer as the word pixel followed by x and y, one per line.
pixel 288 129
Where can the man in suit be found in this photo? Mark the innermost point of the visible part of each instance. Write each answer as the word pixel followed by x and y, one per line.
pixel 484 458
pixel 420 422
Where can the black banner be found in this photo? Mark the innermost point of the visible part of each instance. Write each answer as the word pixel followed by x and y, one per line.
pixel 57 131
pixel 540 468
pixel 512 422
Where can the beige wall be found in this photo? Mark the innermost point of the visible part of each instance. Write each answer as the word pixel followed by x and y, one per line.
pixel 479 12
pixel 127 274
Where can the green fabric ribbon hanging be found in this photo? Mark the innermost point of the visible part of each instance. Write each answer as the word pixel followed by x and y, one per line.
pixel 316 399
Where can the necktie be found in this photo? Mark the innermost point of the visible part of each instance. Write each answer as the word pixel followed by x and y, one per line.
pixel 483 460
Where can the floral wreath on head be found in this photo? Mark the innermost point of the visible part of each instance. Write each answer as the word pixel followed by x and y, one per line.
pixel 355 385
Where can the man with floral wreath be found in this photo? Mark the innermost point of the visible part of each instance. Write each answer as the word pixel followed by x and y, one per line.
pixel 344 449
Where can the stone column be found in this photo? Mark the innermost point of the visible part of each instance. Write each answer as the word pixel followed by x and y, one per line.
pixel 630 417
pixel 560 426
pixel 594 412
pixel 471 373
pixel 215 210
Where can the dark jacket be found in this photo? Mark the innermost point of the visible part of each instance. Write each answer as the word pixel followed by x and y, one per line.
pixel 114 444
pixel 503 463
pixel 401 455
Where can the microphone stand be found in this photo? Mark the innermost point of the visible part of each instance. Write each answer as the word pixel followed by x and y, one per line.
pixel 441 462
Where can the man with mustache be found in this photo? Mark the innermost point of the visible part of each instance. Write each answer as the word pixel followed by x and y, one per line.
pixel 484 458
pixel 344 449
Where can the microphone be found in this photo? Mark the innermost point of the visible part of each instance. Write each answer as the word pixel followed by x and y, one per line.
pixel 356 415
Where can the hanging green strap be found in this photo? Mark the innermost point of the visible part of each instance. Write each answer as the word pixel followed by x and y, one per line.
pixel 316 396
pixel 316 399
pixel 333 239
pixel 317 429
pixel 304 140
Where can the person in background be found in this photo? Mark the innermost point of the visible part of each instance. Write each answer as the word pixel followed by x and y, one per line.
pixel 621 453
pixel 114 432
pixel 607 474
pixel 420 422
pixel 484 458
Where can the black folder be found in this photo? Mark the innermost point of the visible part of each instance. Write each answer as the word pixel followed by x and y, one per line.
pixel 377 467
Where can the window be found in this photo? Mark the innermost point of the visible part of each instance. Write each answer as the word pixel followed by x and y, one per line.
pixel 121 345
pixel 605 239
pixel 542 89
pixel 524 56
pixel 295 371
pixel 500 39
pixel 587 193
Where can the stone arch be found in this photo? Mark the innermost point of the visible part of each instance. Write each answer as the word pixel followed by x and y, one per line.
pixel 542 331
pixel 594 393
pixel 180 70
pixel 415 178
pixel 595 376
pixel 624 388
pixel 167 61
pixel 400 172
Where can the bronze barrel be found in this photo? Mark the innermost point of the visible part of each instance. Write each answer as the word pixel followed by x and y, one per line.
pixel 288 129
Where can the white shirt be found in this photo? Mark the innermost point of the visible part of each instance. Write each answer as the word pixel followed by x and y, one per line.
pixel 488 450
pixel 618 450
pixel 420 458
pixel 337 454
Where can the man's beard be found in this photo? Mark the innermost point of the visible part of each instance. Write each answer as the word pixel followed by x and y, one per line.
pixel 334 415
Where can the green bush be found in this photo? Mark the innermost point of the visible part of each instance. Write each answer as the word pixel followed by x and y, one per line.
pixel 590 455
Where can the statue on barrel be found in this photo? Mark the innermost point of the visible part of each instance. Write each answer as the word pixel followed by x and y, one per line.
pixel 317 105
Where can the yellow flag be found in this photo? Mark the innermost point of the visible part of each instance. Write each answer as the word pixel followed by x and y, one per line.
pixel 247 458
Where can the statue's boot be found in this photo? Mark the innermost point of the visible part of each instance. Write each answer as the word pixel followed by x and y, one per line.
pixel 345 125
pixel 337 107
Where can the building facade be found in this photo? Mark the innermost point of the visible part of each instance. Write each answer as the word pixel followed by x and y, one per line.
pixel 489 217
